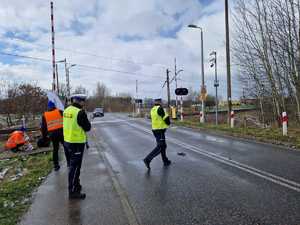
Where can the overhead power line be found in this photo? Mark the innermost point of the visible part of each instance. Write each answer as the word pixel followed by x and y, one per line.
pixel 110 58
pixel 80 65
pixel 94 55
pixel 24 56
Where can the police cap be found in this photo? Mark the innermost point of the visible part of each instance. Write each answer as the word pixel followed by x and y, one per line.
pixel 79 97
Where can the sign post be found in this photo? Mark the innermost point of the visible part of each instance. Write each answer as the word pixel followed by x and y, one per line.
pixel 203 96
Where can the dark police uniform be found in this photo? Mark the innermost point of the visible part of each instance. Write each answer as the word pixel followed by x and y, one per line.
pixel 160 122
pixel 76 124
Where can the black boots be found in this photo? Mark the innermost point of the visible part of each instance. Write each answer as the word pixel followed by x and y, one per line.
pixel 78 188
pixel 77 195
pixel 56 167
pixel 147 164
pixel 167 163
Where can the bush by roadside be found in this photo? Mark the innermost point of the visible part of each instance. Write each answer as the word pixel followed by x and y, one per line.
pixel 19 177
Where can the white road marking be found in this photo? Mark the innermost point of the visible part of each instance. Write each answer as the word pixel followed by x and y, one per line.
pixel 254 171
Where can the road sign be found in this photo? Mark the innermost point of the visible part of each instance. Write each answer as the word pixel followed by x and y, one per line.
pixel 181 91
pixel 203 90
pixel 202 97
pixel 203 93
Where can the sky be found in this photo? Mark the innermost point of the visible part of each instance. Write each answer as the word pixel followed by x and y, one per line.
pixel 116 43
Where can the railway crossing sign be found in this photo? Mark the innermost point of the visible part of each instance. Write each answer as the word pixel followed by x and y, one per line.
pixel 181 91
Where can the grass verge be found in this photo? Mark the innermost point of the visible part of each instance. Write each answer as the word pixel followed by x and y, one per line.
pixel 25 174
pixel 268 135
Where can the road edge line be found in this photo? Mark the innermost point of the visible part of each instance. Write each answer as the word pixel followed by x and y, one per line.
pixel 128 209
pixel 259 173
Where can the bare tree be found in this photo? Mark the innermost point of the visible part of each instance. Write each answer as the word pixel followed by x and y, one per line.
pixel 22 99
pixel 267 49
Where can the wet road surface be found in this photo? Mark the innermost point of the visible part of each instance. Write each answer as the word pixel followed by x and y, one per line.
pixel 102 205
pixel 220 180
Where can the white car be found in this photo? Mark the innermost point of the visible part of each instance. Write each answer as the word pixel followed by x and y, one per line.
pixel 98 112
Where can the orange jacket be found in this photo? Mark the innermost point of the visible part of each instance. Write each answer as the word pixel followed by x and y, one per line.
pixel 54 120
pixel 16 138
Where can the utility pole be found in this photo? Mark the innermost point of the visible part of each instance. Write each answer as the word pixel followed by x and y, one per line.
pixel 228 61
pixel 175 77
pixel 137 97
pixel 136 88
pixel 67 78
pixel 168 89
pixel 203 83
pixel 67 71
pixel 53 47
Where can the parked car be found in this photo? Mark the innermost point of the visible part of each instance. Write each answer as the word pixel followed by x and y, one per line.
pixel 98 112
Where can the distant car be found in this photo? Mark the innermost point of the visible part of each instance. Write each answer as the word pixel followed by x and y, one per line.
pixel 98 112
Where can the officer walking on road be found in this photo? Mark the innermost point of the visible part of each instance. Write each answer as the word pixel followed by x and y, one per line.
pixel 52 125
pixel 76 124
pixel 160 122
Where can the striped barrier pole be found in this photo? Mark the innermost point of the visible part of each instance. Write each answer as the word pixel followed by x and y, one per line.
pixel 53 47
pixel 284 123
pixel 232 119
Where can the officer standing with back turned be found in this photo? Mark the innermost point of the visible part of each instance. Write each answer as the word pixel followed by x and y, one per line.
pixel 76 124
pixel 52 125
pixel 160 121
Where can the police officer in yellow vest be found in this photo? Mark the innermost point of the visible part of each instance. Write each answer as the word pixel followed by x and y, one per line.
pixel 75 126
pixel 160 122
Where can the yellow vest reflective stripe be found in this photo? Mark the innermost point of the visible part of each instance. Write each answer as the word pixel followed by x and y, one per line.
pixel 73 133
pixel 158 122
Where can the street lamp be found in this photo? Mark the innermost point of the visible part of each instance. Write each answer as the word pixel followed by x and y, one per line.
pixel 203 89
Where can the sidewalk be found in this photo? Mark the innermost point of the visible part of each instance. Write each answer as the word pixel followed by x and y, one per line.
pixel 102 205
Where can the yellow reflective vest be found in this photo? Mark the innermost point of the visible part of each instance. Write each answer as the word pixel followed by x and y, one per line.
pixel 73 133
pixel 158 122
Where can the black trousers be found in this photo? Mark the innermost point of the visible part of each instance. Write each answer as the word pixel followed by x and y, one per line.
pixel 56 138
pixel 160 148
pixel 76 156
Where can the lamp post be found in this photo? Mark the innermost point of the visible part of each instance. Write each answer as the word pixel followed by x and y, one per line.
pixel 203 89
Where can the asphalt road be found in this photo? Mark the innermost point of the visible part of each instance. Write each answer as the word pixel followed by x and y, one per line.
pixel 102 205
pixel 220 180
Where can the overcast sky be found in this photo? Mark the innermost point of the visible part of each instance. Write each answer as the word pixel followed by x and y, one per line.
pixel 139 37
